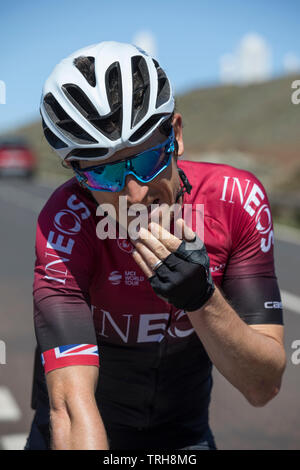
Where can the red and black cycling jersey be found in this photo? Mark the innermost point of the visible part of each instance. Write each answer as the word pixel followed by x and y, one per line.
pixel 93 304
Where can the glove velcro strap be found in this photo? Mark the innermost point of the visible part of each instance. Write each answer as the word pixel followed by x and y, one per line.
pixel 184 279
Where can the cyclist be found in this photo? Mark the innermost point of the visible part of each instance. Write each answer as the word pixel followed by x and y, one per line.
pixel 129 328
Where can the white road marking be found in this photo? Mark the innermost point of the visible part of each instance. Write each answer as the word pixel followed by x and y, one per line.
pixel 287 234
pixel 290 301
pixel 13 441
pixel 9 410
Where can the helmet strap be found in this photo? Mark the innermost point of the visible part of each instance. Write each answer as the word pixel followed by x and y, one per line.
pixel 186 188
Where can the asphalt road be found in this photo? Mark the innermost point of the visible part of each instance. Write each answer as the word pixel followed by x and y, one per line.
pixel 235 423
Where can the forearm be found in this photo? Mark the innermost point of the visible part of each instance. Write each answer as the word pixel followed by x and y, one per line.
pixel 249 360
pixel 81 429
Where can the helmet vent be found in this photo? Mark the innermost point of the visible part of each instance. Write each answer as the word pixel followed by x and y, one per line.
pixel 111 124
pixel 51 138
pixel 149 124
pixel 79 99
pixel 63 121
pixel 88 153
pixel 108 124
pixel 86 66
pixel 141 89
pixel 164 90
pixel 113 82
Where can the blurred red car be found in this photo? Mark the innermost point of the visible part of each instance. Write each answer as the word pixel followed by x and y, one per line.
pixel 16 158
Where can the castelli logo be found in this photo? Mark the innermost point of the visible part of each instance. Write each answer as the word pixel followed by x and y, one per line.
pixel 125 245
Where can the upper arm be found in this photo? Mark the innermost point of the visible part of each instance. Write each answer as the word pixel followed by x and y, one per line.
pixel 70 386
pixel 275 332
pixel 63 275
pixel 250 284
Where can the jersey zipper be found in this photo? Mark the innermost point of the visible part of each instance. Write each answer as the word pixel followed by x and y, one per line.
pixel 161 353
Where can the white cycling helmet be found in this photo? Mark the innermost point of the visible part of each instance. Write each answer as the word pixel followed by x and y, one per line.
pixel 104 98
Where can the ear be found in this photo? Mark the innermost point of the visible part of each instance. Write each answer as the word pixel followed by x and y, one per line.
pixel 177 126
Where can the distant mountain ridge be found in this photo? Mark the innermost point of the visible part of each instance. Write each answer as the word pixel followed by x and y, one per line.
pixel 258 119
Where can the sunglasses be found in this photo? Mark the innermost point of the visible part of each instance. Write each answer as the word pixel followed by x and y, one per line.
pixel 144 167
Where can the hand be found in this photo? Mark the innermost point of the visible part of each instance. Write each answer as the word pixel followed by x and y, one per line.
pixel 177 270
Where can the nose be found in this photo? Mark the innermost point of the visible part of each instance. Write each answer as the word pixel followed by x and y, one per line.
pixel 136 191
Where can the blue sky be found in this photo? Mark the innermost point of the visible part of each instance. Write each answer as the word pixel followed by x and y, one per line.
pixel 191 37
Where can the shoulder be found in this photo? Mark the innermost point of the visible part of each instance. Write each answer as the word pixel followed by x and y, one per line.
pixel 218 179
pixel 68 215
pixel 224 187
pixel 235 200
pixel 65 242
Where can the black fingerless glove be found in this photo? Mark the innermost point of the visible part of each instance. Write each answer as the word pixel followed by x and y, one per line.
pixel 184 279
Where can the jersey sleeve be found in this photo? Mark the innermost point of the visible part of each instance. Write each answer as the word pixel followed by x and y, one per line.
pixel 250 282
pixel 256 299
pixel 63 273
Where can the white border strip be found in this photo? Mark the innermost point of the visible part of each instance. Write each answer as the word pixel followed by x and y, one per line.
pixel 290 301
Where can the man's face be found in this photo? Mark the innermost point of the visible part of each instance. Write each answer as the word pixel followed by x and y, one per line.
pixel 161 190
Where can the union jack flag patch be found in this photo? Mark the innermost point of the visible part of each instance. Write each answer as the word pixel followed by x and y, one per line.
pixel 69 355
